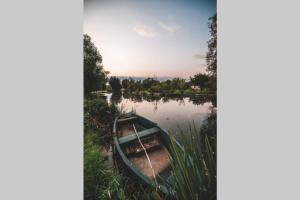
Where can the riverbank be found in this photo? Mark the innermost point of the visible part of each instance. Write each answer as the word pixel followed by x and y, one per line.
pixel 173 92
pixel 160 93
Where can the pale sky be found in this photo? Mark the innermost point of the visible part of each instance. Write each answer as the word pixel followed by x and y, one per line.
pixel 150 37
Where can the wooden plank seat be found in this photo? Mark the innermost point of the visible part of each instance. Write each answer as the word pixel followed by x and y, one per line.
pixel 144 133
pixel 127 119
pixel 138 151
pixel 150 143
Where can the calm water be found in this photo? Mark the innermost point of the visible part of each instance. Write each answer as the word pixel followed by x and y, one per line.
pixel 171 113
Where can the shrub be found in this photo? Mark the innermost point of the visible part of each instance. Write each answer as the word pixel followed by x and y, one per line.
pixel 98 117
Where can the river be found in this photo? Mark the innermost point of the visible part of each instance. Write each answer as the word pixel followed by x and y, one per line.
pixel 173 113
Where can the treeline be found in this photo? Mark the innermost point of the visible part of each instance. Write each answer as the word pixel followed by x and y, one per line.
pixel 196 84
pixel 96 78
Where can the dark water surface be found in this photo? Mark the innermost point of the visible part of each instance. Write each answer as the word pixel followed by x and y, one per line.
pixel 170 112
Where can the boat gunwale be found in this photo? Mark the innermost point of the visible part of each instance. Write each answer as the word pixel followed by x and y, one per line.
pixel 129 164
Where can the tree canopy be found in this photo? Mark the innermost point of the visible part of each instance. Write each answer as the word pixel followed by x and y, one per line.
pixel 201 80
pixel 95 77
pixel 211 55
pixel 115 83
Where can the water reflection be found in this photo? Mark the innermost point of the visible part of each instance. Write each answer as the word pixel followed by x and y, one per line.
pixel 137 97
pixel 171 112
pixel 116 97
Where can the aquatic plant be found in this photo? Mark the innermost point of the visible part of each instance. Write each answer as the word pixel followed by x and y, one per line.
pixel 194 165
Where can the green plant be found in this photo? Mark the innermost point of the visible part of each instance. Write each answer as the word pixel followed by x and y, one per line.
pixel 194 167
pixel 115 83
pixel 95 76
pixel 100 182
pixel 98 117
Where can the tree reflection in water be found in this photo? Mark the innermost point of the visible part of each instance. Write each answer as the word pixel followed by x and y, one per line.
pixel 170 111
pixel 116 98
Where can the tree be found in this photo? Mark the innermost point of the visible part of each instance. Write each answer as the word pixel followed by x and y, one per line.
pixel 139 85
pixel 201 80
pixel 95 77
pixel 114 83
pixel 178 83
pixel 211 55
pixel 131 84
pixel 125 83
pixel 148 82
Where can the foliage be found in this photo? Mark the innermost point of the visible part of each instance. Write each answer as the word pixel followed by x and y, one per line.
pixel 209 81
pixel 99 181
pixel 125 83
pixel 115 83
pixel 201 80
pixel 98 117
pixel 211 55
pixel 213 83
pixel 95 77
pixel 174 86
pixel 194 166
pixel 116 97
pixel 148 82
pixel 178 83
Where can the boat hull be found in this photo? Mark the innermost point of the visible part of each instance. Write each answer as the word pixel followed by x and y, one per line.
pixel 158 152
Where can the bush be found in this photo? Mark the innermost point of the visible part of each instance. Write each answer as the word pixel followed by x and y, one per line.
pixel 177 92
pixel 98 117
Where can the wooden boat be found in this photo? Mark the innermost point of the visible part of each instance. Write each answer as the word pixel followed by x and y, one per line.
pixel 144 148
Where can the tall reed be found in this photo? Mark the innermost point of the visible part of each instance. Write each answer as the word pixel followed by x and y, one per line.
pixel 193 163
pixel 193 166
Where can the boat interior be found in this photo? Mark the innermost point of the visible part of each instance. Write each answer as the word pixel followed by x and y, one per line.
pixel 153 142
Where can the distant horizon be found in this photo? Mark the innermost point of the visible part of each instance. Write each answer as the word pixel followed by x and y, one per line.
pixel 159 78
pixel 137 76
pixel 146 38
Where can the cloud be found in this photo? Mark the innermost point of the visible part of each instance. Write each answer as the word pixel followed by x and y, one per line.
pixel 171 17
pixel 200 56
pixel 171 28
pixel 144 31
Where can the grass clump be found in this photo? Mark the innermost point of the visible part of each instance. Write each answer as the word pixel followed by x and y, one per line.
pixel 100 182
pixel 194 165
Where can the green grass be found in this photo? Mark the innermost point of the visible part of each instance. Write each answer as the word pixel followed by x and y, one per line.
pixel 194 168
pixel 100 182
pixel 193 164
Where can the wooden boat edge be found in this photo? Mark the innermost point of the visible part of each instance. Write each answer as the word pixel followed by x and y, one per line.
pixel 129 164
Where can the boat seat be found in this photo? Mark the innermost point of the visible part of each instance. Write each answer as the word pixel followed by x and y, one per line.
pixel 127 119
pixel 138 151
pixel 132 137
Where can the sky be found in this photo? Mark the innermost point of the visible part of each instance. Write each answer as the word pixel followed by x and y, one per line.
pixel 150 37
